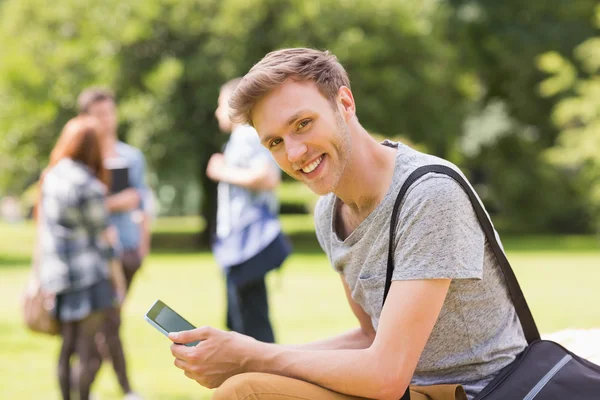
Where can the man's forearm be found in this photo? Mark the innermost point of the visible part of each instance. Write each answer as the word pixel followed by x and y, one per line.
pixel 249 178
pixel 354 339
pixel 360 373
pixel 145 232
pixel 126 200
pixel 118 278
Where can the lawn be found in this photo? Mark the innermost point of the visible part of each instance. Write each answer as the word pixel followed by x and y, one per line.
pixel 560 277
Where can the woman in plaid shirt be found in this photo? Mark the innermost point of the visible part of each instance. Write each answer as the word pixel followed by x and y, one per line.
pixel 77 251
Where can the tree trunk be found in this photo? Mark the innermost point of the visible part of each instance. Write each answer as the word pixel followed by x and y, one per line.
pixel 208 205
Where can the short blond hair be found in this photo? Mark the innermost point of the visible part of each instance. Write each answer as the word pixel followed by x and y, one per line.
pixel 299 64
pixel 230 86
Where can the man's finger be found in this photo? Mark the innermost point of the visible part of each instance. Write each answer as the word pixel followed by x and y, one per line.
pixel 192 335
pixel 182 364
pixel 192 376
pixel 181 352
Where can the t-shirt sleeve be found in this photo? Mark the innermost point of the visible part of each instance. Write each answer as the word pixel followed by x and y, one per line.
pixel 321 222
pixel 137 177
pixel 438 234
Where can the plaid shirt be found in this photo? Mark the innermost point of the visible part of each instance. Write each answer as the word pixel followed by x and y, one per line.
pixel 73 255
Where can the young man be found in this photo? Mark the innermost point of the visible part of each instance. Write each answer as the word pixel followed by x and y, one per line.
pixel 248 177
pixel 448 318
pixel 127 213
pixel 128 206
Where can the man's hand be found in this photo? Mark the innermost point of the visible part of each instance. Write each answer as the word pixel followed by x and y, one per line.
pixel 125 200
pixel 111 235
pixel 118 280
pixel 261 176
pixel 215 167
pixel 143 249
pixel 218 356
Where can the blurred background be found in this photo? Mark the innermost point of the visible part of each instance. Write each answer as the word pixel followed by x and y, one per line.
pixel 509 91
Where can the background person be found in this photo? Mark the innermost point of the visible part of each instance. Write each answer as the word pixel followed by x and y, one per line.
pixel 127 213
pixel 75 257
pixel 249 240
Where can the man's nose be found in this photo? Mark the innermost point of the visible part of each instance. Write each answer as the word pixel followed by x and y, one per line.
pixel 295 150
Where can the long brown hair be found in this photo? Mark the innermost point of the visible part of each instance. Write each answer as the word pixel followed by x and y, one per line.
pixel 80 140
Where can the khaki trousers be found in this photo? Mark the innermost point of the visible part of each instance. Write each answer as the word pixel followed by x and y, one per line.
pixel 258 386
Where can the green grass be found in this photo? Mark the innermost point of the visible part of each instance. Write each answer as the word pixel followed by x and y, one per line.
pixel 560 276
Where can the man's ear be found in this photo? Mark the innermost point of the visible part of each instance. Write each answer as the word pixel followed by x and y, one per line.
pixel 346 103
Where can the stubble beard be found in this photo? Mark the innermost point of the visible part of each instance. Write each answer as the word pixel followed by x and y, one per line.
pixel 343 149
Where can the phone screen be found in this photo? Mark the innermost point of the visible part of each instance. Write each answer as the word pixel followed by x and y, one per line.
pixel 169 320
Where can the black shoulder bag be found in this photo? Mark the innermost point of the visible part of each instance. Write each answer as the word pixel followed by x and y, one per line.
pixel 544 370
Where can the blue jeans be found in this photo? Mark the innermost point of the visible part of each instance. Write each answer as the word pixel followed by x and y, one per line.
pixel 248 310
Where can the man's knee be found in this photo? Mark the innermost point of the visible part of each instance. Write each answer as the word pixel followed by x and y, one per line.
pixel 242 386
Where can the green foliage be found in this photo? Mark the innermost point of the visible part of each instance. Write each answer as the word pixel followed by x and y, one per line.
pixel 510 126
pixel 166 60
pixel 419 70
pixel 525 192
pixel 577 115
pixel 43 63
pixel 502 40
pixel 564 74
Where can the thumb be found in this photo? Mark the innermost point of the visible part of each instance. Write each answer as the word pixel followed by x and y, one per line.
pixel 192 335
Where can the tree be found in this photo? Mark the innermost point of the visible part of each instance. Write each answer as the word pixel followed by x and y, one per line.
pixel 577 114
pixel 501 41
pixel 166 60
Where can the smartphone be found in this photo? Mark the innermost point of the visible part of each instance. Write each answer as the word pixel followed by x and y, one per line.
pixel 166 320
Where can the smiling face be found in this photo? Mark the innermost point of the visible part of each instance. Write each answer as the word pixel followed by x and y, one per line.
pixel 308 137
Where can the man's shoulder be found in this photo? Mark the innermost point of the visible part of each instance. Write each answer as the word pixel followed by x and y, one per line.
pixel 128 151
pixel 324 205
pixel 409 159
pixel 323 212
pixel 245 134
pixel 73 180
pixel 246 129
pixel 245 144
pixel 323 217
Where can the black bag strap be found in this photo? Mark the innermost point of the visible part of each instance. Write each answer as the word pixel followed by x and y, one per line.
pixel 523 312
pixel 525 317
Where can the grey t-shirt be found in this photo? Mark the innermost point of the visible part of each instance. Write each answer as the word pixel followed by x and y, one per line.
pixel 438 236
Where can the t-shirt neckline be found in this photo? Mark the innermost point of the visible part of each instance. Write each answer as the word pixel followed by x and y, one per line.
pixel 358 232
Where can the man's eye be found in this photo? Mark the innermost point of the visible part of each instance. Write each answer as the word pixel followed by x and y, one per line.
pixel 275 142
pixel 304 123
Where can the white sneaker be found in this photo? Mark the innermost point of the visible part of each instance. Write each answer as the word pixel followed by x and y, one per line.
pixel 132 396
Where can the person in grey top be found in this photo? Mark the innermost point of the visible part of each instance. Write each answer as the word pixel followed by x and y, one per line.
pixel 439 237
pixel 447 319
